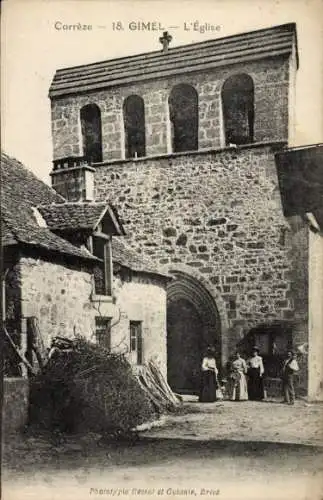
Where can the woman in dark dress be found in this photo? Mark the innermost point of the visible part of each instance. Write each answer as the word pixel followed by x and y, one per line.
pixel 255 376
pixel 209 377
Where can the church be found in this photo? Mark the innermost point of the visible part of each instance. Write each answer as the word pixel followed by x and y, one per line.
pixel 184 143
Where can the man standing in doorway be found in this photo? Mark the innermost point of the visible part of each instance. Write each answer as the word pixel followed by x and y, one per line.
pixel 289 369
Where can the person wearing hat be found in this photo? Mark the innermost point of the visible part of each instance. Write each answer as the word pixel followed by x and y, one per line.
pixel 290 368
pixel 209 377
pixel 255 376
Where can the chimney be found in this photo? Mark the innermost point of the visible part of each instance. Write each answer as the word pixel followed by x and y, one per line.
pixel 73 178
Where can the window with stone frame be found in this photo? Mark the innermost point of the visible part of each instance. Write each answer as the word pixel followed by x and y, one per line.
pixel 238 109
pixel 103 331
pixel 91 128
pixel 183 114
pixel 103 272
pixel 136 341
pixel 134 126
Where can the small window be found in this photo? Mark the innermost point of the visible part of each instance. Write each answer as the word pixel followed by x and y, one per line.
pixel 136 341
pixel 183 112
pixel 103 331
pixel 91 133
pixel 238 109
pixel 103 270
pixel 134 125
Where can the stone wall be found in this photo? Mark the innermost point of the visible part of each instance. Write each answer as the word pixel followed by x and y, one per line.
pixel 12 310
pixel 141 299
pixel 217 213
pixel 315 361
pixel 12 289
pixel 271 93
pixel 297 237
pixel 60 297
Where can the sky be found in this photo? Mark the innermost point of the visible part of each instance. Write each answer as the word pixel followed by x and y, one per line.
pixel 33 46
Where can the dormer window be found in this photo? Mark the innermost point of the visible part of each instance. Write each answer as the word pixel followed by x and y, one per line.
pixel 183 113
pixel 103 272
pixel 134 126
pixel 238 109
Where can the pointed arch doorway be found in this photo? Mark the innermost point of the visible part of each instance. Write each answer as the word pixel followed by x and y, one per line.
pixel 193 323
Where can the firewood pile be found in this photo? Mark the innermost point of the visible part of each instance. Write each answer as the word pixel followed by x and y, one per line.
pixel 149 376
pixel 157 389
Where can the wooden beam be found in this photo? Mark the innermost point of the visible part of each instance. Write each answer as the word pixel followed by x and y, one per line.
pixel 108 266
pixel 104 236
pixel 89 244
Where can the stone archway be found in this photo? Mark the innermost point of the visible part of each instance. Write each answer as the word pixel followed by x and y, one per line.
pixel 193 322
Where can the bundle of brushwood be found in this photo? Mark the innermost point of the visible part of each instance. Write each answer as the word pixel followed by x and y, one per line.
pixel 85 388
pixel 157 389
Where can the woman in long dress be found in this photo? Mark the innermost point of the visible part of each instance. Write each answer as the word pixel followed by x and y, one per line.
pixel 209 377
pixel 255 376
pixel 238 381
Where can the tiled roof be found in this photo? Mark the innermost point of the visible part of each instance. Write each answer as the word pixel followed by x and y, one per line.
pixel 21 190
pixel 71 215
pixel 210 54
pixel 7 237
pixel 124 255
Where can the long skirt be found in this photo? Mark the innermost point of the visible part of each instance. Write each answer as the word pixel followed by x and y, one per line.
pixel 208 387
pixel 255 385
pixel 238 388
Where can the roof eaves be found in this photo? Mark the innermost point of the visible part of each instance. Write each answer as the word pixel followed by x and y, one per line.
pixel 116 220
pixel 99 220
pixel 169 72
pixel 64 76
pixel 208 54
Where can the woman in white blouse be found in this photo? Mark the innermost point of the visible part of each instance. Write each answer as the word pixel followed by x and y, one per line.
pixel 255 376
pixel 238 383
pixel 209 377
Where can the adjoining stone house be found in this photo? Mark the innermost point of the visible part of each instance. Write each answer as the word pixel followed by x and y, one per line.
pixel 66 266
pixel 183 142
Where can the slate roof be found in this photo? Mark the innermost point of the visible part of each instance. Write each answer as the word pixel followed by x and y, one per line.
pixel 85 216
pixel 21 190
pixel 196 57
pixel 300 175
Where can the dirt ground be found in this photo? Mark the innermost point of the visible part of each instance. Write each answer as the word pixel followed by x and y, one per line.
pixel 269 421
pixel 226 450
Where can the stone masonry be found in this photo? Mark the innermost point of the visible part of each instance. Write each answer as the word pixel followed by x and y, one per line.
pixel 271 80
pixel 219 214
pixel 60 297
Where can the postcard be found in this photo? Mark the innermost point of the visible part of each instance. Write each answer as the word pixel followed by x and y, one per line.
pixel 162 244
